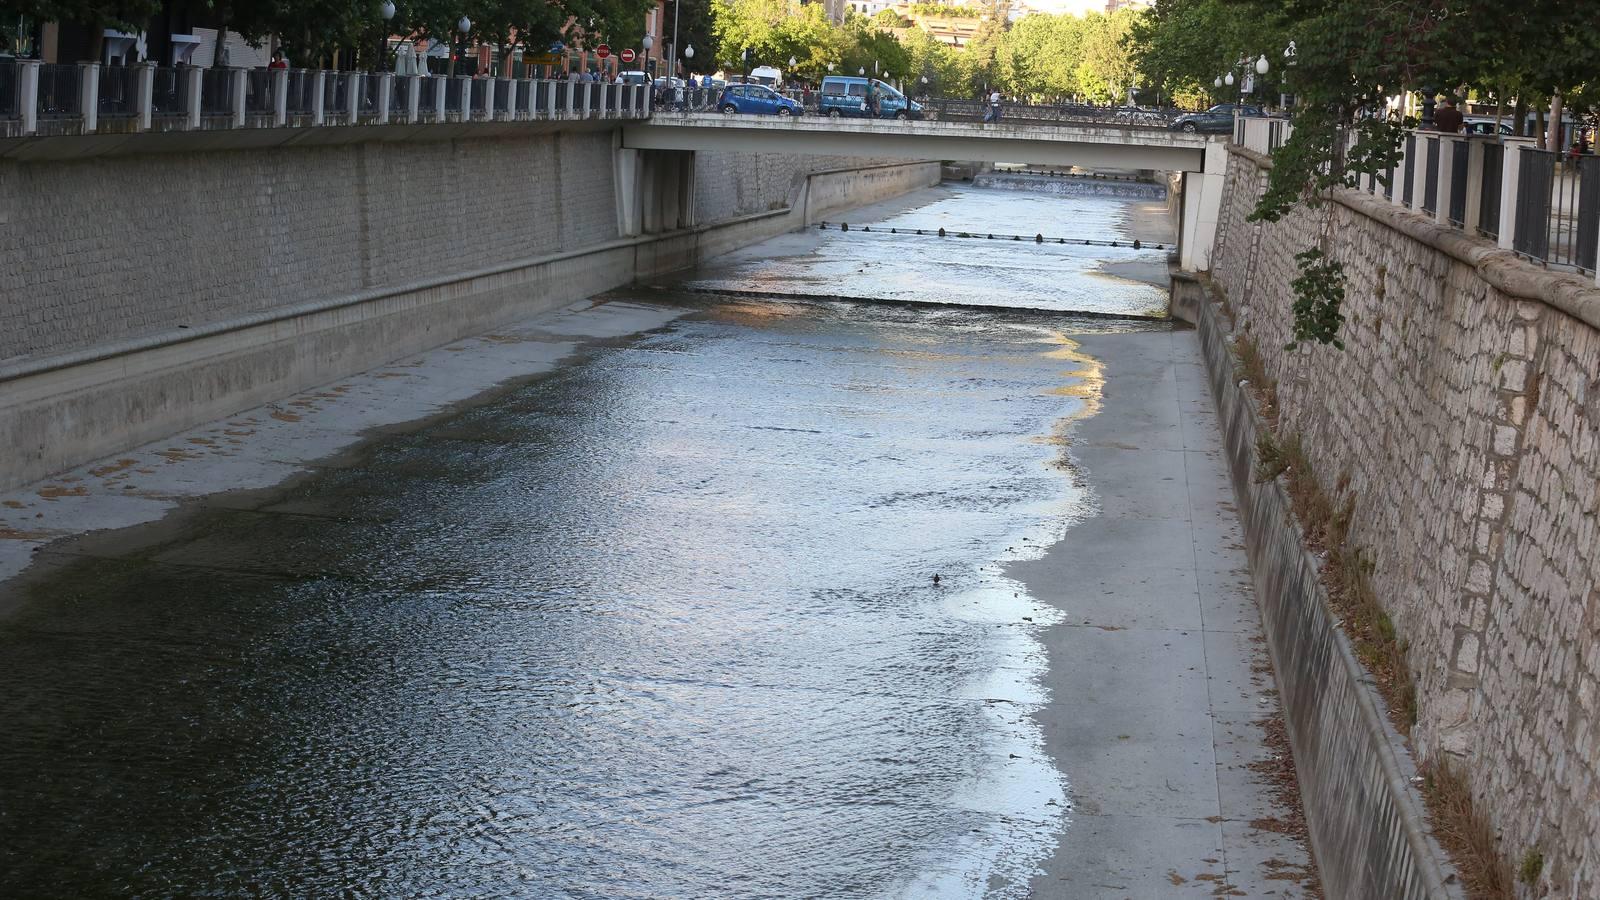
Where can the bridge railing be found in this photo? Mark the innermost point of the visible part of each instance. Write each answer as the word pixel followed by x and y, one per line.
pixel 38 99
pixel 1543 205
pixel 1121 116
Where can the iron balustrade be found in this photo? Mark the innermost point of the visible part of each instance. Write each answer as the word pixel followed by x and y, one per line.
pixel 1456 213
pixel 501 101
pixel 1430 176
pixel 561 89
pixel 10 106
pixel 216 92
pixel 1587 232
pixel 118 96
pixel 169 92
pixel 1535 186
pixel 1409 188
pixel 301 97
pixel 611 98
pixel 60 91
pixel 335 95
pixel 1388 183
pixel 541 96
pixel 452 95
pixel 1489 189
pixel 428 97
pixel 367 95
pixel 260 92
pixel 400 96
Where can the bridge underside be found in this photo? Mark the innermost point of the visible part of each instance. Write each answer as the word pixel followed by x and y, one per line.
pixel 1087 146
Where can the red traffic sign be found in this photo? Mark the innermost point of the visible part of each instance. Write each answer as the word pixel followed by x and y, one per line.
pixel 627 55
pixel 602 51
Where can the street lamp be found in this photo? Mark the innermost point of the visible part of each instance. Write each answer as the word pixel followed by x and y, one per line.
pixel 1228 79
pixel 1217 83
pixel 463 26
pixel 387 10
pixel 862 70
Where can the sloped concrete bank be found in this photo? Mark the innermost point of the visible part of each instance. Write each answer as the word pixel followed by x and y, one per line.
pixel 1356 774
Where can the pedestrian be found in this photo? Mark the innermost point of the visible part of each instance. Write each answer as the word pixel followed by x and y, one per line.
pixel 993 113
pixel 278 61
pixel 1448 118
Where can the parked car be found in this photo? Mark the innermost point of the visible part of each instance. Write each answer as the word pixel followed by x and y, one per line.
pixel 631 77
pixel 1218 119
pixel 1475 125
pixel 757 99
pixel 848 95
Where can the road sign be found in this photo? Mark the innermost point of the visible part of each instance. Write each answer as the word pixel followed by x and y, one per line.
pixel 627 55
pixel 602 51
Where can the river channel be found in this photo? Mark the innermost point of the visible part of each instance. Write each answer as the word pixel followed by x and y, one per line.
pixel 660 622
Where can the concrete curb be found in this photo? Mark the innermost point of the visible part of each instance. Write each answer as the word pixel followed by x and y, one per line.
pixel 1363 807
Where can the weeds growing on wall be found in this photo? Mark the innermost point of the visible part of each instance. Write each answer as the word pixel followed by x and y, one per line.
pixel 1464 831
pixel 1346 574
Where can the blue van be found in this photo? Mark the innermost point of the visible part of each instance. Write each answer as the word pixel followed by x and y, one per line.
pixel 848 95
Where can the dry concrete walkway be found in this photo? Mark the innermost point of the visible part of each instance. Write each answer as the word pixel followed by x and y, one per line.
pixel 1161 693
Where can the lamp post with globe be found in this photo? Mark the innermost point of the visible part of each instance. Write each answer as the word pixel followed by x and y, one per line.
pixel 463 26
pixel 387 11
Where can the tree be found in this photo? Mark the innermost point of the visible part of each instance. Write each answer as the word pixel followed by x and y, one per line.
pixel 96 15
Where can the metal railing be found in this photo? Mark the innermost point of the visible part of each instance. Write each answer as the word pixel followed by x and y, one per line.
pixel 1124 116
pixel 503 91
pixel 169 92
pixel 400 96
pixel 118 96
pixel 1558 208
pixel 10 106
pixel 452 95
pixel 367 96
pixel 1489 190
pixel 1430 181
pixel 301 96
pixel 335 96
pixel 260 92
pixel 1460 158
pixel 216 92
pixel 428 97
pixel 60 91
pixel 1408 189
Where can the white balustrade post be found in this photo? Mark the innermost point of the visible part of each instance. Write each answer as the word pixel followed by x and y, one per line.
pixel 413 96
pixel 1473 209
pixel 572 96
pixel 438 96
pixel 588 98
pixel 28 94
pixel 280 97
pixel 89 95
pixel 385 91
pixel 145 91
pixel 318 97
pixel 550 99
pixel 238 82
pixel 1510 173
pixel 1402 174
pixel 352 97
pixel 191 76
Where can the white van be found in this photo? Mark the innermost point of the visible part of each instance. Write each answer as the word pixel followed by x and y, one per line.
pixel 768 76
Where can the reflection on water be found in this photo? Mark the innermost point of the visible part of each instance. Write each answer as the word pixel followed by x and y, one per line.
pixel 974 270
pixel 659 624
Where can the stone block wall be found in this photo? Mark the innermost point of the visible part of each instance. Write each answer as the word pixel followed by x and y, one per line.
pixel 106 250
pixel 727 185
pixel 1465 420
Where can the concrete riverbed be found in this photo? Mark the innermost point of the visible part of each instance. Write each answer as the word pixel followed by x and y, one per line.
pixel 636 599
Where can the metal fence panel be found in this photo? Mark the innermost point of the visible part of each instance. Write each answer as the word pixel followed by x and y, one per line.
pixel 1489 189
pixel 561 95
pixel 1430 177
pixel 400 96
pixel 1457 211
pixel 502 95
pixel 1588 226
pixel 335 94
pixel 428 97
pixel 367 100
pixel 1535 185
pixel 259 92
pixel 216 92
pixel 452 95
pixel 169 92
pixel 302 93
pixel 1409 188
pixel 119 92
pixel 59 91
pixel 10 105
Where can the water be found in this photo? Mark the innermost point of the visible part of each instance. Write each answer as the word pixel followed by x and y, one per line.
pixel 661 623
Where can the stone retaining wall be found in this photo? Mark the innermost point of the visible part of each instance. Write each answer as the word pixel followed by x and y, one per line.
pixel 1464 417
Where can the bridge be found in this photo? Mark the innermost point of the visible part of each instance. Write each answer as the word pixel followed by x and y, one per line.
pixel 1086 145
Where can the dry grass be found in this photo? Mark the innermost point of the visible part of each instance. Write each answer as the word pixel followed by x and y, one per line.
pixel 1465 833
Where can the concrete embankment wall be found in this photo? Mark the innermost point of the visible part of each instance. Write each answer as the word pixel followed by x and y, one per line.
pixel 1463 417
pixel 1356 776
pixel 146 294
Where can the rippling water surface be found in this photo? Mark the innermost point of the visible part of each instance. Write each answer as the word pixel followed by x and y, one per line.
pixel 661 623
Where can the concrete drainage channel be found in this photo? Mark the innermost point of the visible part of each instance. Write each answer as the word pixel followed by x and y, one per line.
pixel 1358 779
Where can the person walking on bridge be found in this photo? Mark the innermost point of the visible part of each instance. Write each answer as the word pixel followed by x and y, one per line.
pixel 993 112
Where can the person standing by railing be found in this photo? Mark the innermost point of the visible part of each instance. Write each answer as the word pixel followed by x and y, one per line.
pixel 1448 118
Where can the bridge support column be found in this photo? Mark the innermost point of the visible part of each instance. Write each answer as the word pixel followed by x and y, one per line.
pixel 1202 207
pixel 655 190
